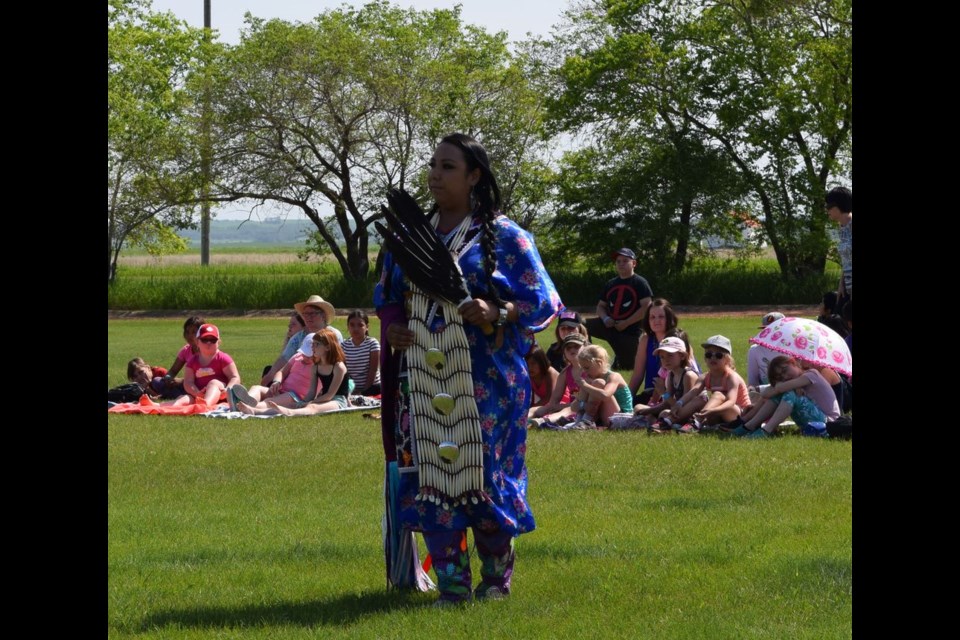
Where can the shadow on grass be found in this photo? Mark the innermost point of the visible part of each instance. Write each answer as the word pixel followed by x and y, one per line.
pixel 340 610
pixel 818 576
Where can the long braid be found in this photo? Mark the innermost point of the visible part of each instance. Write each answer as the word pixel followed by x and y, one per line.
pixel 488 242
pixel 488 202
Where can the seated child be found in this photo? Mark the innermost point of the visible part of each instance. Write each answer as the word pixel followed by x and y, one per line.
pixel 660 382
pixel 209 373
pixel 829 313
pixel 568 323
pixel 190 328
pixel 562 401
pixel 293 386
pixel 603 392
pixel 681 377
pixel 362 352
pixel 154 381
pixel 758 358
pixel 797 390
pixel 332 383
pixel 719 396
pixel 543 378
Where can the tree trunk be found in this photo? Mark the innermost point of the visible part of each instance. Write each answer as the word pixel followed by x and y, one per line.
pixel 357 261
pixel 112 254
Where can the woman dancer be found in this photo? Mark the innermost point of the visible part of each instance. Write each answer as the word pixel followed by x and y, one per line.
pixel 511 290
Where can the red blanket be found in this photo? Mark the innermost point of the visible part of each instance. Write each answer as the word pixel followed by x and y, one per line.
pixel 148 406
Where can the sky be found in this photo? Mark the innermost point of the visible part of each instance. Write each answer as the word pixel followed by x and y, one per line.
pixel 516 17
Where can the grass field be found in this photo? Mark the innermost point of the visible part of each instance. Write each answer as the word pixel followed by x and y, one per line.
pixel 271 528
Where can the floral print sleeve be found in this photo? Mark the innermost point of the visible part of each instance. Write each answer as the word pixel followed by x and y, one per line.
pixel 522 277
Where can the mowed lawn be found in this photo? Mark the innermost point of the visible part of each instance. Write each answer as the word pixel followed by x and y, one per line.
pixel 271 528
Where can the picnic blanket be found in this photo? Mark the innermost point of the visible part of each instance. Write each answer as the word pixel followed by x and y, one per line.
pixel 147 406
pixel 224 412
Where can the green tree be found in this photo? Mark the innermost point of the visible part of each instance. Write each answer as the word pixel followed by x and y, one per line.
pixel 767 84
pixel 150 183
pixel 331 114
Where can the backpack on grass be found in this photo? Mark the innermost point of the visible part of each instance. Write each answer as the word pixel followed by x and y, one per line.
pixel 129 392
pixel 841 428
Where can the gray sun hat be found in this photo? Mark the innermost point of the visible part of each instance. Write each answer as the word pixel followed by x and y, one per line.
pixel 722 342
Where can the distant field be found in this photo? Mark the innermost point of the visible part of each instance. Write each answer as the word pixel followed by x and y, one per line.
pixel 255 254
pixel 271 255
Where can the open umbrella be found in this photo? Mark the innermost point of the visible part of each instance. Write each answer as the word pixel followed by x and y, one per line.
pixel 807 340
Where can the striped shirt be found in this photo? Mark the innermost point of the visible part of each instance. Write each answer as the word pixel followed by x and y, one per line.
pixel 358 360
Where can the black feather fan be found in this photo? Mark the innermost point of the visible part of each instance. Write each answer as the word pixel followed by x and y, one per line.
pixel 425 260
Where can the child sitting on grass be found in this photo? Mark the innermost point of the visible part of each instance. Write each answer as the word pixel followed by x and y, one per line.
pixel 293 387
pixel 568 322
pixel 209 373
pixel 154 381
pixel 543 379
pixel 603 392
pixel 327 355
pixel 720 395
pixel 681 377
pixel 190 328
pixel 362 353
pixel 561 408
pixel 796 390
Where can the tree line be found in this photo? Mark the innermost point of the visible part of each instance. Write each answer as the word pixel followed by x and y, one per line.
pixel 691 119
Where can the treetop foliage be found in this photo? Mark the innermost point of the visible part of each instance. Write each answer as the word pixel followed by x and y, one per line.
pixel 696 121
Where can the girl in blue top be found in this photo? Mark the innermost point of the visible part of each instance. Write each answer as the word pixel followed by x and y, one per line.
pixel 657 324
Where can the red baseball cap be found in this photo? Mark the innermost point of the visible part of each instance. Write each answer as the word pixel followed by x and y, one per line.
pixel 207 330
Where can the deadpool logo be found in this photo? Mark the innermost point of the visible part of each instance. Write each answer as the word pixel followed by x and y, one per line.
pixel 622 301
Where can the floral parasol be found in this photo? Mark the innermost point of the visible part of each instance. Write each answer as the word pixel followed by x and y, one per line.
pixel 807 340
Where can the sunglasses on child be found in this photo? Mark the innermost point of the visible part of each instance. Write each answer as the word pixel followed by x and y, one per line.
pixel 209 340
pixel 713 355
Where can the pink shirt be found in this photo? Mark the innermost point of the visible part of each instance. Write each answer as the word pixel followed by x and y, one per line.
pixel 540 392
pixel 743 394
pixel 185 353
pixel 572 386
pixel 202 375
pixel 299 378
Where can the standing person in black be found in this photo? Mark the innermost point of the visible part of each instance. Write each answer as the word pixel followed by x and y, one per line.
pixel 621 307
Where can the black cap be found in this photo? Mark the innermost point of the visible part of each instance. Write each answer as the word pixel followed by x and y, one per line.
pixel 568 317
pixel 624 252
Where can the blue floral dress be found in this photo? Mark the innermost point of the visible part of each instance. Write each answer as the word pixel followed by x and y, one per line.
pixel 501 385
